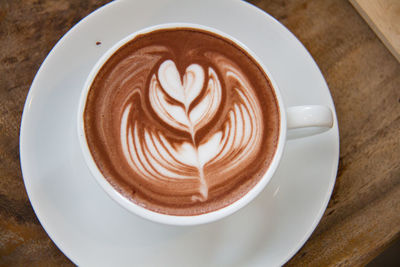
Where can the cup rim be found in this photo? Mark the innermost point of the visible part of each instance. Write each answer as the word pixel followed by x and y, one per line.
pixel 166 218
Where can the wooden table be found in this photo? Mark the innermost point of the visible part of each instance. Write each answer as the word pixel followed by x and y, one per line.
pixel 363 216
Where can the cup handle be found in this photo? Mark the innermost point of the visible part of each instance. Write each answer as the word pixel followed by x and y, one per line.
pixel 309 116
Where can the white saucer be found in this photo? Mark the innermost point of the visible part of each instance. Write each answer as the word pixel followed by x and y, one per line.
pixel 92 230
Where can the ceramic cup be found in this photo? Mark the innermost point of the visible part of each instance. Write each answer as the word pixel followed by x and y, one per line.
pixel 320 117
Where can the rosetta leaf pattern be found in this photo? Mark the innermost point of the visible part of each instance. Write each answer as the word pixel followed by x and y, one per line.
pixel 172 98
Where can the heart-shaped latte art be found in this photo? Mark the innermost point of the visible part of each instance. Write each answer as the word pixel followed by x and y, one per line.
pixel 171 98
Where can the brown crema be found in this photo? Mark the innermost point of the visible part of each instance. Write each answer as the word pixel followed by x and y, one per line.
pixel 182 121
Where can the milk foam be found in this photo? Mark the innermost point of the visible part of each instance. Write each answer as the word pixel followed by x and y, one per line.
pixel 154 157
pixel 181 121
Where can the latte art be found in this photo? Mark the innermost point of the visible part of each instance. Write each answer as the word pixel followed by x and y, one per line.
pixel 158 159
pixel 181 122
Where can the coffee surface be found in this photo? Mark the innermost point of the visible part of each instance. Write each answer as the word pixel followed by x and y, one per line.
pixel 182 121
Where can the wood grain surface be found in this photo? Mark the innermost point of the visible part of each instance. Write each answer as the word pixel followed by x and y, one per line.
pixel 363 216
pixel 383 17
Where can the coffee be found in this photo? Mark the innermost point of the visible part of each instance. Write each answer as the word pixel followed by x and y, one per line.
pixel 181 121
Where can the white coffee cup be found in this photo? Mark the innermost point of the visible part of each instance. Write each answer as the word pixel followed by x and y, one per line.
pixel 290 118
